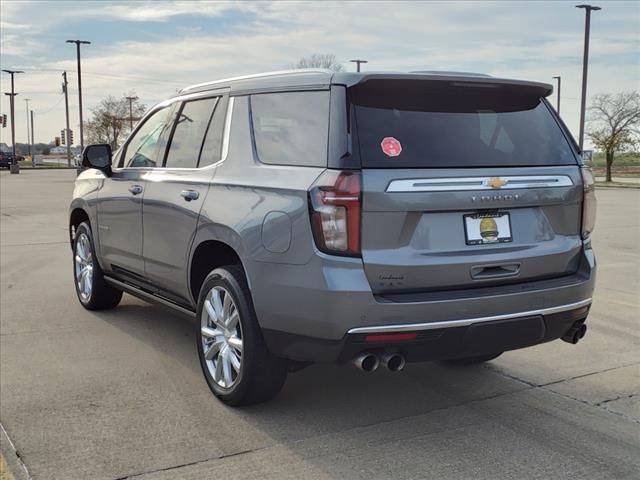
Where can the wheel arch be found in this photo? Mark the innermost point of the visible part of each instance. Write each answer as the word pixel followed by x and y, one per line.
pixel 206 256
pixel 77 215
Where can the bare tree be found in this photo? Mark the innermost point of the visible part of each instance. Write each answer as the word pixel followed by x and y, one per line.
pixel 614 120
pixel 320 60
pixel 110 120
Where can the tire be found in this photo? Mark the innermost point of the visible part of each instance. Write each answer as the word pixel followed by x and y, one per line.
pixel 239 368
pixel 93 291
pixel 461 362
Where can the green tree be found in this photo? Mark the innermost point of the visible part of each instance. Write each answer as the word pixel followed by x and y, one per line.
pixel 614 121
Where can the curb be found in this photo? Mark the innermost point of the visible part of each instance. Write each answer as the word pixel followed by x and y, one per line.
pixel 618 185
pixel 16 466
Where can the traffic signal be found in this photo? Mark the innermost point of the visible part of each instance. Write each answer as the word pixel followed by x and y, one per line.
pixel 4 120
pixel 70 137
pixel 57 141
pixel 62 136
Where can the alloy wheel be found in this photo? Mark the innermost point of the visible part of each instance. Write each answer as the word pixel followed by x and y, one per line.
pixel 84 267
pixel 221 330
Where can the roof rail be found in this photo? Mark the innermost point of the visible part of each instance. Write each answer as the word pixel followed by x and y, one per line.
pixel 299 71
pixel 451 73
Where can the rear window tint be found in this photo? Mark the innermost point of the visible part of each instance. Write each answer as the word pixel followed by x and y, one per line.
pixel 291 128
pixel 463 127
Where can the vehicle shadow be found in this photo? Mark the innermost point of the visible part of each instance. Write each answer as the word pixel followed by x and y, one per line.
pixel 322 398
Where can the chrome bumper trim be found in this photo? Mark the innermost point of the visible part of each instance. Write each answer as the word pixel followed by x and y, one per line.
pixel 412 327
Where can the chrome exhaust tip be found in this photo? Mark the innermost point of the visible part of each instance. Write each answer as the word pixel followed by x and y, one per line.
pixel 393 361
pixel 367 362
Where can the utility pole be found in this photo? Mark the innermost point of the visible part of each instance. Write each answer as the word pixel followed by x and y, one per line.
pixel 13 118
pixel 358 62
pixel 32 134
pixel 585 62
pixel 33 157
pixel 558 94
pixel 26 100
pixel 66 111
pixel 131 99
pixel 78 43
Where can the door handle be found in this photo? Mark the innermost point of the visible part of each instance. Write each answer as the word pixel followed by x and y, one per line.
pixel 135 189
pixel 189 195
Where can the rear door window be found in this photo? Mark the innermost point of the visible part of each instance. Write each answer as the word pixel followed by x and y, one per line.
pixel 212 148
pixel 463 127
pixel 191 126
pixel 291 128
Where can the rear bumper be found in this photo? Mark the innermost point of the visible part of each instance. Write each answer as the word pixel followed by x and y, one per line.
pixel 324 310
pixel 439 341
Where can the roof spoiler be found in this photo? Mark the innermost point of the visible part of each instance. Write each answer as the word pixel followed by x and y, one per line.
pixel 455 80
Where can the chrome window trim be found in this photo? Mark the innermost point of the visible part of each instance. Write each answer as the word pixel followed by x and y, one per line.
pixel 412 327
pixel 225 149
pixel 514 182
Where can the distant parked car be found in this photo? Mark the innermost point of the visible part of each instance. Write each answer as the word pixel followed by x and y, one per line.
pixel 6 159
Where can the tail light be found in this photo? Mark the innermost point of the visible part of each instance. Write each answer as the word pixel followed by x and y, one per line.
pixel 588 202
pixel 335 200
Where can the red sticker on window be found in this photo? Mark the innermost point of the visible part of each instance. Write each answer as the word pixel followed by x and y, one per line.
pixel 391 146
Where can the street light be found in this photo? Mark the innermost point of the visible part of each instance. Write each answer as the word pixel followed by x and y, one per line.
pixel 27 100
pixel 558 94
pixel 358 62
pixel 585 62
pixel 13 123
pixel 78 43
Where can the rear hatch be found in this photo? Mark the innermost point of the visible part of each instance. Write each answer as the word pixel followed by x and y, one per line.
pixel 464 185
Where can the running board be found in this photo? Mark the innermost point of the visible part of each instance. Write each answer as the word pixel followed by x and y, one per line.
pixel 149 297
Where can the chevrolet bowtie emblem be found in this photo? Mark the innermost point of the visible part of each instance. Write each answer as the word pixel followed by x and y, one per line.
pixel 496 182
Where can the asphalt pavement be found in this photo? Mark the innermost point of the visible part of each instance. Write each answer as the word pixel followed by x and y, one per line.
pixel 119 394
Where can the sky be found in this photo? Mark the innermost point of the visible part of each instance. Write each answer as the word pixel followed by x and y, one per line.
pixel 152 49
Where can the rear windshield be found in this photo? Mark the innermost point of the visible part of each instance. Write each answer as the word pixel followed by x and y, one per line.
pixel 465 126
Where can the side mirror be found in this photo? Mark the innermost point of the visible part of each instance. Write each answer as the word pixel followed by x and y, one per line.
pixel 98 156
pixel 587 158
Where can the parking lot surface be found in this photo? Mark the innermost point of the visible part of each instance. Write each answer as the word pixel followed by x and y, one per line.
pixel 119 394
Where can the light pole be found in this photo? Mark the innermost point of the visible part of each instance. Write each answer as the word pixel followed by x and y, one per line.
pixel 358 62
pixel 558 94
pixel 65 89
pixel 131 99
pixel 26 101
pixel 78 43
pixel 13 123
pixel 585 62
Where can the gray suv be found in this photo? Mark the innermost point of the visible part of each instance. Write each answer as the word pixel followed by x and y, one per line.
pixel 372 218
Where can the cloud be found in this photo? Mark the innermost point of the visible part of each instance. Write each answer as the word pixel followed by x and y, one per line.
pixel 169 45
pixel 162 11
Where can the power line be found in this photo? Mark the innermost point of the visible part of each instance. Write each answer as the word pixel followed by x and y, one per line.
pixel 41 111
pixel 108 75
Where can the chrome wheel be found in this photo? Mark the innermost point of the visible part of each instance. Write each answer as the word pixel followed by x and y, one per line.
pixel 84 267
pixel 221 337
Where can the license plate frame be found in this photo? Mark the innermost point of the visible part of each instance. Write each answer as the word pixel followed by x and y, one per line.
pixel 490 232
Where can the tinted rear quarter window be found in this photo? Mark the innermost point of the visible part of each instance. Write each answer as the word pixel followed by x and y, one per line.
pixel 457 127
pixel 291 128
